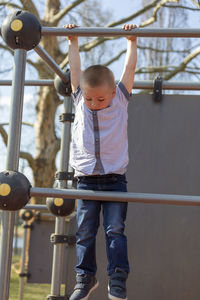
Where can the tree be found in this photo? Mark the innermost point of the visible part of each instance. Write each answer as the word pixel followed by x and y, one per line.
pixel 56 13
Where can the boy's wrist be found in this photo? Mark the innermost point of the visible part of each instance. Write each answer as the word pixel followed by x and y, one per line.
pixel 73 40
pixel 132 40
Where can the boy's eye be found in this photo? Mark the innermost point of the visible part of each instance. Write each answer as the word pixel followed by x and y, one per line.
pixel 88 99
pixel 100 100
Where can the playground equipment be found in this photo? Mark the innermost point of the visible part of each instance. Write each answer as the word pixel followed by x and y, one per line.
pixel 17 24
pixel 14 189
pixel 16 30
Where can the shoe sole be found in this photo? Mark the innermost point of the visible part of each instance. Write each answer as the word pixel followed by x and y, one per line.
pixel 92 290
pixel 114 297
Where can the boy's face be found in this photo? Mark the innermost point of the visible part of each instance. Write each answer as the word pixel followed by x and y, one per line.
pixel 99 97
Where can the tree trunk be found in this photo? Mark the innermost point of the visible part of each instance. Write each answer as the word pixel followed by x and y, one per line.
pixel 47 144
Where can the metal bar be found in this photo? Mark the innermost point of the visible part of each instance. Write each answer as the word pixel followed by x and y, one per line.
pixel 38 207
pixel 23 260
pixel 57 265
pixel 50 62
pixel 58 249
pixel 138 84
pixel 14 137
pixel 116 196
pixel 46 82
pixel 66 136
pixel 112 32
pixel 168 85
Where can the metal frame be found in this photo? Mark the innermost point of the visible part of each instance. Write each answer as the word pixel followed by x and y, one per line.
pixel 13 149
pixel 138 84
pixel 58 249
pixel 113 32
pixel 15 135
pixel 116 196
pixel 50 62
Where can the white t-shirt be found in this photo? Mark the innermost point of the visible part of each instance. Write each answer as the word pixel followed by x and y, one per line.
pixel 99 138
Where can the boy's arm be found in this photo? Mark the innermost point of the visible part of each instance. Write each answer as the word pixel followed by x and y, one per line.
pixel 74 59
pixel 128 73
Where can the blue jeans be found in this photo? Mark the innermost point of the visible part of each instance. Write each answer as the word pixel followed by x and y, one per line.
pixel 114 215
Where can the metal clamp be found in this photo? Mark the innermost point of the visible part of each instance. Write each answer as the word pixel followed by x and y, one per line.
pixel 157 90
pixel 64 176
pixel 63 239
pixel 67 117
pixel 26 226
pixel 50 297
pixel 27 275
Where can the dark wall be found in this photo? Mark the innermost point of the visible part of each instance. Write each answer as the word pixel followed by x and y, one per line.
pixel 163 240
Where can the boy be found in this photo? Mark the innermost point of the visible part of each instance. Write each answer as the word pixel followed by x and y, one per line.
pixel 99 157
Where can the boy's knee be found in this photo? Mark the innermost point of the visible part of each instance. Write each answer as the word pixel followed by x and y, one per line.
pixel 114 229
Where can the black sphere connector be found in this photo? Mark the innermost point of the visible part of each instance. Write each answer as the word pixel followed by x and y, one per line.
pixel 63 88
pixel 60 207
pixel 14 190
pixel 21 30
pixel 26 214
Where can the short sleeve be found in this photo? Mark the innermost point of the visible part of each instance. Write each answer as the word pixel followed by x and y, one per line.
pixel 77 95
pixel 122 93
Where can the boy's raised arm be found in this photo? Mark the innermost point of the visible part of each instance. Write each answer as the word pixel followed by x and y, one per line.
pixel 74 59
pixel 128 73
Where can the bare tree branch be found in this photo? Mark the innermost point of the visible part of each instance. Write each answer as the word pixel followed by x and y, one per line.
pixel 135 15
pixel 3 134
pixel 64 11
pixel 165 50
pixel 22 154
pixel 97 41
pixel 30 6
pixel 9 4
pixel 28 157
pixel 196 4
pixel 109 62
pixel 181 6
pixel 23 123
pixel 115 58
pixel 33 64
pixel 6 48
pixel 156 9
pixel 154 69
pixel 30 62
pixel 181 67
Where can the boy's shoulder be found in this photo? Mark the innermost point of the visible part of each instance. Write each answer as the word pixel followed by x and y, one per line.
pixel 122 90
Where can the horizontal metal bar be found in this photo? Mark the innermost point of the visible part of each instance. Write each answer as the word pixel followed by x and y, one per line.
pixel 112 32
pixel 116 196
pixel 42 82
pixel 39 207
pixel 143 84
pixel 168 85
pixel 51 63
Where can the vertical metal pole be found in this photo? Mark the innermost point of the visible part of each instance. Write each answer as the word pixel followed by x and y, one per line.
pixel 57 267
pixel 22 269
pixel 14 137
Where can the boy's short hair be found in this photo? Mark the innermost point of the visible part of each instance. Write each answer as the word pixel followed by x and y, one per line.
pixel 97 75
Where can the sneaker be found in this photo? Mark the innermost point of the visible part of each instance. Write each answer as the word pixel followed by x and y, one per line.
pixel 117 285
pixel 85 285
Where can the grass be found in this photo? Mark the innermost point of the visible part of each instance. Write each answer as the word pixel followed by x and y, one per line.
pixel 31 291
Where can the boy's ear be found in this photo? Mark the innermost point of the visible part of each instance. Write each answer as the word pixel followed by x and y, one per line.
pixel 114 92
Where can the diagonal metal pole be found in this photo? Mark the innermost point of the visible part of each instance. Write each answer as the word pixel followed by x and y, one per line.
pixel 14 136
pixel 51 63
